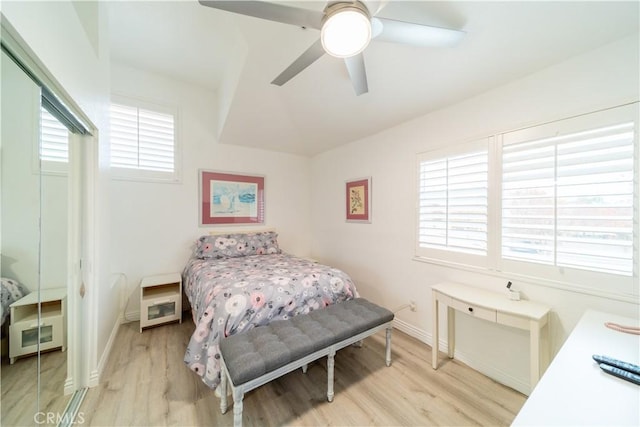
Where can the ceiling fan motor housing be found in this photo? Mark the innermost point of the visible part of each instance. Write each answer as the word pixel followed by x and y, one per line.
pixel 346 28
pixel 333 6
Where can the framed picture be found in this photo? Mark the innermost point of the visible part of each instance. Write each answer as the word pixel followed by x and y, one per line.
pixel 358 200
pixel 227 198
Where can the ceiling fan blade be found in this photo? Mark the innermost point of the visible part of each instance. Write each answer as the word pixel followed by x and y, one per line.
pixel 270 11
pixel 375 6
pixel 389 30
pixel 357 72
pixel 307 58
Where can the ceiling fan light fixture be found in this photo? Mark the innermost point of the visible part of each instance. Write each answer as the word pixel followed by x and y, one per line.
pixel 346 30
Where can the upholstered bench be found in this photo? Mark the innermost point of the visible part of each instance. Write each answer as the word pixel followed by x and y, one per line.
pixel 259 355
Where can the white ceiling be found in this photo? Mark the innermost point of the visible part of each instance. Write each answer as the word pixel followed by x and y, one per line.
pixel 238 56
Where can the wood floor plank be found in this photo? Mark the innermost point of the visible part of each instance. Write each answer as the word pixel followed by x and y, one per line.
pixel 19 385
pixel 146 383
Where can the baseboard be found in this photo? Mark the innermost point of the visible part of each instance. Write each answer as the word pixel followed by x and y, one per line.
pixel 69 386
pixel 131 316
pixel 492 372
pixel 468 359
pixel 94 376
pixel 412 331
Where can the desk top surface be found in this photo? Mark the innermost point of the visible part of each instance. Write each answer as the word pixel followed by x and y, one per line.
pixel 575 391
pixel 492 300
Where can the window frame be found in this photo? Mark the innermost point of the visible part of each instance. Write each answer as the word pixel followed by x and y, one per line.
pixel 138 174
pixel 585 281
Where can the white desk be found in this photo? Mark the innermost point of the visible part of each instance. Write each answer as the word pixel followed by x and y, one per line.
pixel 575 391
pixel 491 306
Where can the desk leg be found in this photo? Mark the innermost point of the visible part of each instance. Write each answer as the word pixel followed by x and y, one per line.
pixel 436 328
pixel 534 345
pixel 451 331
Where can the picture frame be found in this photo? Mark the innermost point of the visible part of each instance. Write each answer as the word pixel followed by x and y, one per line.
pixel 358 200
pixel 230 198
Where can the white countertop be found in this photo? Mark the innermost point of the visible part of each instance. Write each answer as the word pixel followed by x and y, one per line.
pixel 574 391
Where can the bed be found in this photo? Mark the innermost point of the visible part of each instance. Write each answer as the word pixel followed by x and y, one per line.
pixel 10 292
pixel 235 282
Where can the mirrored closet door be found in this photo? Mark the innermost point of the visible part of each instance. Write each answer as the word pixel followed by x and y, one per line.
pixel 20 244
pixel 40 216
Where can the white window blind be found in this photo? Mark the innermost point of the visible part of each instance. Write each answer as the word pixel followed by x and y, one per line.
pixel 54 139
pixel 142 139
pixel 453 203
pixel 567 201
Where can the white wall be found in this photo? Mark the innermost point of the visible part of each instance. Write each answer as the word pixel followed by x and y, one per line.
pixel 154 225
pixel 379 256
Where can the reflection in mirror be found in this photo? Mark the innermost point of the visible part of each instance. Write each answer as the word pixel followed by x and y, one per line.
pixel 33 247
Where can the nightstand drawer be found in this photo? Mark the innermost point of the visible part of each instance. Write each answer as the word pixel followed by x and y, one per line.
pixel 474 310
pixel 160 299
pixel 23 336
pixel 160 310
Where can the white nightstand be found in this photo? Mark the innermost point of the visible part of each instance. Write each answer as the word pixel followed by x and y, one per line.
pixel 23 331
pixel 160 299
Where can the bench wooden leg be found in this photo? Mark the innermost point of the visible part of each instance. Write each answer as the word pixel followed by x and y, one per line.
pixel 223 391
pixel 238 396
pixel 330 367
pixel 388 353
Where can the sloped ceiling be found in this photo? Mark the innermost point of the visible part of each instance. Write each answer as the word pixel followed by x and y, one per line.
pixel 238 56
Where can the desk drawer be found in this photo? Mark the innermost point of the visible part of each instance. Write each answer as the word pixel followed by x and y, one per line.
pixel 474 310
pixel 513 320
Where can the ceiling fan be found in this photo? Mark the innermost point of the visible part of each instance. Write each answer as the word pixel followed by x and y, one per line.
pixel 346 28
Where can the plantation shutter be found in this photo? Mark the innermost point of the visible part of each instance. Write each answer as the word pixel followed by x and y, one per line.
pixel 142 139
pixel 453 203
pixel 54 139
pixel 568 200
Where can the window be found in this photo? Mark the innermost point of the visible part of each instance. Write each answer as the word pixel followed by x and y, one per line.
pixel 54 139
pixel 561 205
pixel 568 200
pixel 453 201
pixel 53 144
pixel 143 141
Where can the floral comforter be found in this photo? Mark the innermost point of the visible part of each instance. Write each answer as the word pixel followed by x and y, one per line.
pixel 10 292
pixel 236 294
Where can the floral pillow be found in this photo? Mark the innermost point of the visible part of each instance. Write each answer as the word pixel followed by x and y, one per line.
pixel 237 244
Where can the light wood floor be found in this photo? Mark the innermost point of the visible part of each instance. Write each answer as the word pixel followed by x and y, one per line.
pixel 146 383
pixel 19 388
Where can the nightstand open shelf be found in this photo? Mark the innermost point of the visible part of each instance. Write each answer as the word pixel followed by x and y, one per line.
pixel 160 300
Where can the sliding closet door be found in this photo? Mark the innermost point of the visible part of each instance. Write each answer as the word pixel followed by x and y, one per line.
pixel 20 222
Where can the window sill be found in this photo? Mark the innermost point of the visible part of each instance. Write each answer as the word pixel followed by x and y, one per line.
pixel 535 281
pixel 142 176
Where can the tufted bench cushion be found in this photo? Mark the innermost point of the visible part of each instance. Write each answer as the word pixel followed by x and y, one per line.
pixel 263 349
pixel 261 354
